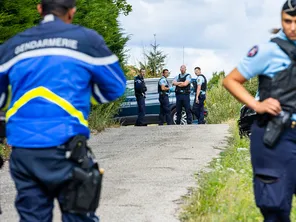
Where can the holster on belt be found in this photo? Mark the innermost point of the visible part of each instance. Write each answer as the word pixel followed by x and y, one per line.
pixel 275 127
pixel 82 192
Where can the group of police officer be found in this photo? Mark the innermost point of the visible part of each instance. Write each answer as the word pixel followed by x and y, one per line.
pixel 182 89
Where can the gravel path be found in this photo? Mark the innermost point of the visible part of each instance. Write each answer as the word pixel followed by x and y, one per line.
pixel 147 170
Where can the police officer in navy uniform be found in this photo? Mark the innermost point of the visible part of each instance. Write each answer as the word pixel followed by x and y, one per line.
pixel 182 83
pixel 164 90
pixel 140 93
pixel 200 88
pixel 273 134
pixel 55 70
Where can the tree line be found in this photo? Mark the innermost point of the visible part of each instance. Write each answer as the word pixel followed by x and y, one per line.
pixel 19 15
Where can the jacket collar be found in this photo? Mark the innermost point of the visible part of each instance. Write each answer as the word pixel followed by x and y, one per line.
pixel 50 18
pixel 282 35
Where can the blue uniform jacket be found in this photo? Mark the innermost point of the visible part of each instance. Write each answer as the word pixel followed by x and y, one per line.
pixel 165 82
pixel 140 86
pixel 265 59
pixel 48 76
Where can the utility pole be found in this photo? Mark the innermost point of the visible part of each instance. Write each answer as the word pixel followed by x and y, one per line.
pixel 183 55
pixel 155 72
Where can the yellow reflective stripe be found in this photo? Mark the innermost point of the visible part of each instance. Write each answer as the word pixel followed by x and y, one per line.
pixel 49 95
pixel 8 99
pixel 93 101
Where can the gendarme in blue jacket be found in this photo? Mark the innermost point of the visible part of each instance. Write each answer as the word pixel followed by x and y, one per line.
pixel 53 71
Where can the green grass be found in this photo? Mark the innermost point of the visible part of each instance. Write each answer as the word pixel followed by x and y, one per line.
pixel 4 150
pixel 225 193
pixel 101 116
pixel 221 105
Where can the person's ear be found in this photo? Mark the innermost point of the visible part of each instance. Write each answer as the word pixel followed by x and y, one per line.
pixel 71 13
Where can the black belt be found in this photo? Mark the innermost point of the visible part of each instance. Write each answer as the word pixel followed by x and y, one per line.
pixel 163 94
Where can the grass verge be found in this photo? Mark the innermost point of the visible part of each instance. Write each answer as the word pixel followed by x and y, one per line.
pixel 225 193
pixel 101 116
pixel 5 150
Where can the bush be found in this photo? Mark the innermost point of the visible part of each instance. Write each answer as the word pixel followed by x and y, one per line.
pixel 101 116
pixel 221 105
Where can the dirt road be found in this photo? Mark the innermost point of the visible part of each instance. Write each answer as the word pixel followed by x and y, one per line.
pixel 147 170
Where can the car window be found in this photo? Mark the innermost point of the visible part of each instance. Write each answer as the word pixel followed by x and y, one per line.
pixel 152 86
pixel 130 91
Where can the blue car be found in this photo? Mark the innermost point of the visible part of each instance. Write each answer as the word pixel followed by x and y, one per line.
pixel 128 111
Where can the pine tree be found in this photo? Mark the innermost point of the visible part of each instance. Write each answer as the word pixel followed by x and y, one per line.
pixel 154 60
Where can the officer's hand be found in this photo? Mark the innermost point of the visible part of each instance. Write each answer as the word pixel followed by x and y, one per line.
pixel 270 105
pixel 197 101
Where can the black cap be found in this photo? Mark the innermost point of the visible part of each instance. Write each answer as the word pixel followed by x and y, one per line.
pixel 62 3
pixel 290 7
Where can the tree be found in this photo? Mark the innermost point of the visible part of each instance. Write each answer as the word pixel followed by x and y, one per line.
pixel 102 16
pixel 215 79
pixel 18 15
pixel 131 72
pixel 154 60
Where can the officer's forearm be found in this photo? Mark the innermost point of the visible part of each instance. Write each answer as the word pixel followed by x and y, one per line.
pixel 175 83
pixel 184 84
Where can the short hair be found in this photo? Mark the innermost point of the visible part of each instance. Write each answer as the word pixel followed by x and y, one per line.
pixel 56 10
pixel 163 71
pixel 142 69
pixel 197 68
pixel 57 7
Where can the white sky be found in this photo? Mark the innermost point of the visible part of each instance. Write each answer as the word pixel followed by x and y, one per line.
pixel 215 34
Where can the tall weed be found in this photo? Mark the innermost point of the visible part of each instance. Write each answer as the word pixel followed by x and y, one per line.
pixel 101 116
pixel 221 105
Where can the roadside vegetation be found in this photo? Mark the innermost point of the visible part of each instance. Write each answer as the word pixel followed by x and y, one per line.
pixel 224 191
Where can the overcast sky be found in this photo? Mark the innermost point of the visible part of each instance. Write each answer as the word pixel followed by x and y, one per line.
pixel 215 34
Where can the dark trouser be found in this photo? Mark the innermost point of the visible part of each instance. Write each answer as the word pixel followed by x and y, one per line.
pixel 39 176
pixel 141 111
pixel 183 100
pixel 165 112
pixel 198 109
pixel 274 174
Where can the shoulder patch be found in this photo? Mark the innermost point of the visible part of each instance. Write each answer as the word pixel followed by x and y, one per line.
pixel 253 51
